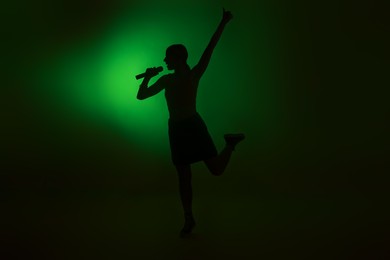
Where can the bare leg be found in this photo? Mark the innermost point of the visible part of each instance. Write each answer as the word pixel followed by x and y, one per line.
pixel 185 189
pixel 217 165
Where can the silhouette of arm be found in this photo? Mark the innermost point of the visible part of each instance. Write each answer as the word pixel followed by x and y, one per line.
pixel 146 92
pixel 201 67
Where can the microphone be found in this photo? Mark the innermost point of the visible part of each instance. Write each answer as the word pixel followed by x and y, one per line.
pixel 142 75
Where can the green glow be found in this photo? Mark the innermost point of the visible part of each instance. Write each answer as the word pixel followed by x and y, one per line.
pixel 96 78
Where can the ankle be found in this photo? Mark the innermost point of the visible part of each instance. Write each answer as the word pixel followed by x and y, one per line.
pixel 188 215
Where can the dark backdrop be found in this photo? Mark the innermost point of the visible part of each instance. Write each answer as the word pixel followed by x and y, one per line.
pixel 312 183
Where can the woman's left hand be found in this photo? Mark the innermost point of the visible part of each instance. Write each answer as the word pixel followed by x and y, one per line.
pixel 226 15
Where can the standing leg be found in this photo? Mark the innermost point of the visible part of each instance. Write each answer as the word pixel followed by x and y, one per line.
pixel 185 189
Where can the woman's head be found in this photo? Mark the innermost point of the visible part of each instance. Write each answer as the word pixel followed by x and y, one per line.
pixel 176 55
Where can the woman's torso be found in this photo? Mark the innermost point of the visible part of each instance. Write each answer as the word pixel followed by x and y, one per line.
pixel 180 95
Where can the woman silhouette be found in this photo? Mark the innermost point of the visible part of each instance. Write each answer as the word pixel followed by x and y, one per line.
pixel 189 138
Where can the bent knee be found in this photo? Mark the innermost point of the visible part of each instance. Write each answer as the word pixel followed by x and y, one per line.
pixel 212 165
pixel 216 171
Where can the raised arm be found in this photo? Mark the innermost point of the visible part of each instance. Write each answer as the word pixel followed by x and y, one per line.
pixel 145 91
pixel 201 67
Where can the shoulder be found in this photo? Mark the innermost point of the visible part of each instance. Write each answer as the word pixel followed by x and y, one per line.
pixel 195 75
pixel 165 79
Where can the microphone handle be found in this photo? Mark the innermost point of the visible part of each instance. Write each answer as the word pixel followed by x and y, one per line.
pixel 142 75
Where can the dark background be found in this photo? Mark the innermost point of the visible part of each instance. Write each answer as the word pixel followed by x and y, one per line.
pixel 316 187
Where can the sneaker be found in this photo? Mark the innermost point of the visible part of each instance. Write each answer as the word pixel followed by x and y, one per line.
pixel 233 139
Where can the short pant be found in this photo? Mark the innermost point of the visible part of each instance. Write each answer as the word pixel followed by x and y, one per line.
pixel 190 140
